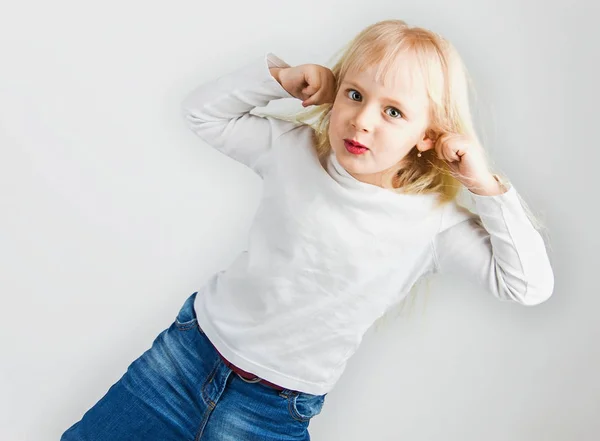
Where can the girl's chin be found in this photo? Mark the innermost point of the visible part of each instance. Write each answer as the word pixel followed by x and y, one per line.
pixel 352 163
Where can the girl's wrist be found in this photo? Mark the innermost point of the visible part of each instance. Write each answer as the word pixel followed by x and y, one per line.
pixel 493 187
pixel 275 73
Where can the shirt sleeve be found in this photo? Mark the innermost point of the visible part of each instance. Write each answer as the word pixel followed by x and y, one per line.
pixel 218 112
pixel 499 249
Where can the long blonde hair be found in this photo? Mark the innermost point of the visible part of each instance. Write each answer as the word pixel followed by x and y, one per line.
pixel 447 82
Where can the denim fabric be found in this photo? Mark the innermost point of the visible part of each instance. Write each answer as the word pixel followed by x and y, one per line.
pixel 181 390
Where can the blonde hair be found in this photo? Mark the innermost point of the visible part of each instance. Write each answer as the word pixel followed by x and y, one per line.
pixel 447 82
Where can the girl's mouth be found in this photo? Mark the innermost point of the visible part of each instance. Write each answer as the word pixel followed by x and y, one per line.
pixel 354 148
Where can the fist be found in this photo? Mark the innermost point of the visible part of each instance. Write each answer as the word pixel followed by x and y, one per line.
pixel 466 159
pixel 311 83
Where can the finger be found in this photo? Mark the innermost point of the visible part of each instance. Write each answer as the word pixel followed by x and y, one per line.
pixel 329 93
pixel 310 90
pixel 313 82
pixel 440 146
pixel 446 148
pixel 308 101
pixel 324 89
pixel 313 96
pixel 458 147
pixel 451 154
pixel 308 95
pixel 448 154
pixel 315 99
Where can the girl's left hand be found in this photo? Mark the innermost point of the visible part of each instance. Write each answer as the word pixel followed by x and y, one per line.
pixel 466 158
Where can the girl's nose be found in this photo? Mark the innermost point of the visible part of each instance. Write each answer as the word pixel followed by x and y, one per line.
pixel 363 120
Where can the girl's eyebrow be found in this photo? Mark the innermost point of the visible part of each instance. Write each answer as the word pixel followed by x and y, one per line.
pixel 402 107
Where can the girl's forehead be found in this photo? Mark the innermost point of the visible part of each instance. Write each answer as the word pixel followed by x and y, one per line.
pixel 401 76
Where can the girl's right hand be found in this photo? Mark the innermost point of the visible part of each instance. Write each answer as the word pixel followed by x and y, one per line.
pixel 311 83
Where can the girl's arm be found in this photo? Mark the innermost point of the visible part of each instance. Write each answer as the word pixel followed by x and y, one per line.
pixel 218 112
pixel 499 249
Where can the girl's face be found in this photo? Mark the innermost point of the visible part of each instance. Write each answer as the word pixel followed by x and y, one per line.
pixel 388 117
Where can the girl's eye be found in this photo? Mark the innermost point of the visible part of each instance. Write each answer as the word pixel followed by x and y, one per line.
pixel 395 110
pixel 353 91
pixel 353 94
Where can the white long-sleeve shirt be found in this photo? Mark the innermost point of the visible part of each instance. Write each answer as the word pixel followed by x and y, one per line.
pixel 327 254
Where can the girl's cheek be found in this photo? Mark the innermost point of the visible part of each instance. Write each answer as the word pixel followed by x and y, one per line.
pixel 337 116
pixel 333 118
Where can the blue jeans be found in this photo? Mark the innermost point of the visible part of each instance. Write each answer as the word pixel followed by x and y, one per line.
pixel 181 390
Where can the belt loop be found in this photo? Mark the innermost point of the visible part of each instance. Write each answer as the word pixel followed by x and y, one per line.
pixel 285 393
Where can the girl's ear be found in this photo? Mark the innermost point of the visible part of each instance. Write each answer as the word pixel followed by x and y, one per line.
pixel 428 141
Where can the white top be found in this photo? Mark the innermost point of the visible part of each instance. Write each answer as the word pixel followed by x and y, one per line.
pixel 328 254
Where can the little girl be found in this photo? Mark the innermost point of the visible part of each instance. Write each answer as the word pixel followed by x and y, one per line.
pixel 357 207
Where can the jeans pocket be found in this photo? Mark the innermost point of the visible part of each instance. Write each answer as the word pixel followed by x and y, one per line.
pixel 304 406
pixel 186 318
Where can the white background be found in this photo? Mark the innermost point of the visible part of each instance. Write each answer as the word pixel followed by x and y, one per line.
pixel 113 212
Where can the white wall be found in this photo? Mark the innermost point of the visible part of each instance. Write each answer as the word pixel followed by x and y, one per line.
pixel 113 212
